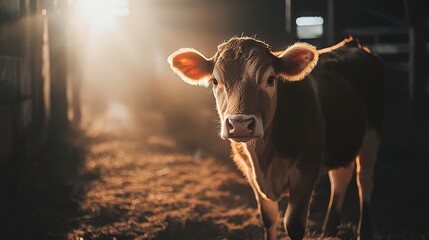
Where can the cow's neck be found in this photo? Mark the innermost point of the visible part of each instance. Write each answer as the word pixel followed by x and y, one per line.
pixel 261 154
pixel 265 149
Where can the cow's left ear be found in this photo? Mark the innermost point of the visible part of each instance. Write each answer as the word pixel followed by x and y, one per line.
pixel 297 61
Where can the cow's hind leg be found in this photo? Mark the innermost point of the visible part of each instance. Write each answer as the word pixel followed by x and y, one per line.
pixel 340 179
pixel 364 177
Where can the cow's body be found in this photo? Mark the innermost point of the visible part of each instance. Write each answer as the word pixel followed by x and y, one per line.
pixel 324 121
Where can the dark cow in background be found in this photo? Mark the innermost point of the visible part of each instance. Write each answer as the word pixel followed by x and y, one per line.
pixel 293 114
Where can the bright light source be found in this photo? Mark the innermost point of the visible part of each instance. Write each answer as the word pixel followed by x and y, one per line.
pixel 103 8
pixel 309 27
pixel 309 21
pixel 102 12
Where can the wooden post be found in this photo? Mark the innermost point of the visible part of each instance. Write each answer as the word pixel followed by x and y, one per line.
pixel 58 24
pixel 417 58
pixel 288 18
pixel 76 76
pixel 35 46
pixel 330 25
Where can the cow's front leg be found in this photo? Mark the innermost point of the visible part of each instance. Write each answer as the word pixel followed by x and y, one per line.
pixel 269 211
pixel 301 188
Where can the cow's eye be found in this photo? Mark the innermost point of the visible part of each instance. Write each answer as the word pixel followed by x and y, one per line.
pixel 215 82
pixel 271 80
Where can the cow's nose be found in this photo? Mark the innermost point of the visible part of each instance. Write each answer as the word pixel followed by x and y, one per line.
pixel 240 127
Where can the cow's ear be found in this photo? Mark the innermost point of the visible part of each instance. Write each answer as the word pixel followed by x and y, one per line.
pixel 191 66
pixel 297 61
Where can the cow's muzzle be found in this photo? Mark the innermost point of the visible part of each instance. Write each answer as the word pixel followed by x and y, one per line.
pixel 241 127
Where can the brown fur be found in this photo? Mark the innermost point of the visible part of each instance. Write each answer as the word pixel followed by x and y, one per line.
pixel 351 97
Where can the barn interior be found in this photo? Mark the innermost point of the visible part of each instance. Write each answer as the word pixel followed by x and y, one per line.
pixel 87 99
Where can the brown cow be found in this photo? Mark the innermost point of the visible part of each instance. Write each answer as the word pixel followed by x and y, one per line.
pixel 291 115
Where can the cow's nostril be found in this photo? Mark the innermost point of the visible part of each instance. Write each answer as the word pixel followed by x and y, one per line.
pixel 251 125
pixel 229 125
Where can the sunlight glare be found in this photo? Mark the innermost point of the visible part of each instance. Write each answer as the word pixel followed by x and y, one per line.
pixel 118 111
pixel 102 12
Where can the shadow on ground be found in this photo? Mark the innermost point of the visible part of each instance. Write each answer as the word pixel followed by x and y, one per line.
pixel 42 196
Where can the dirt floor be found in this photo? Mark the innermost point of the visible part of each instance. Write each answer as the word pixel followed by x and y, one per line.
pixel 147 188
pixel 144 185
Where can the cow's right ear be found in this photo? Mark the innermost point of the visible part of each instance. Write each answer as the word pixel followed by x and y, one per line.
pixel 191 66
pixel 297 61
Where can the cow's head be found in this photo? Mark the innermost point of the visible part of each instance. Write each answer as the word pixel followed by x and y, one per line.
pixel 244 74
